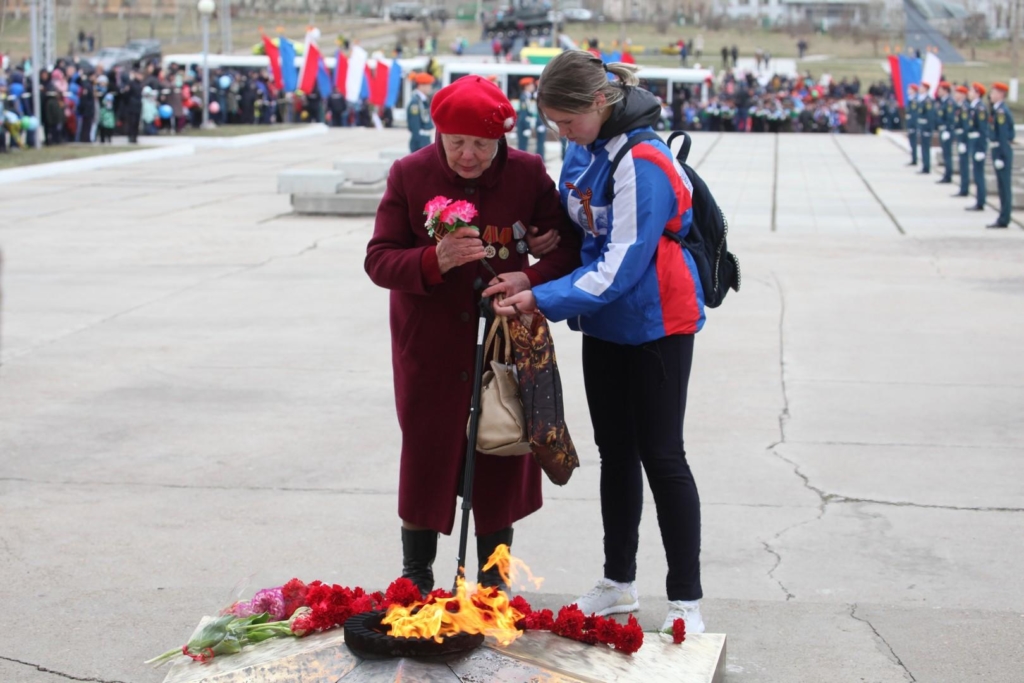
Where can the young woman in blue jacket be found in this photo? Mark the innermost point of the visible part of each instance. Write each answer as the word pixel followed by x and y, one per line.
pixel 637 300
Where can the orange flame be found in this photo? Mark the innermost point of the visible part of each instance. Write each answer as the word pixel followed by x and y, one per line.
pixel 512 569
pixel 486 610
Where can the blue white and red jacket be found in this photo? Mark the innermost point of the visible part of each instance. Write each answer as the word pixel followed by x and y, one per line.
pixel 635 285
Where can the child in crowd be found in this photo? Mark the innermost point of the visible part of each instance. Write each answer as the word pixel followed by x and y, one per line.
pixel 149 111
pixel 107 118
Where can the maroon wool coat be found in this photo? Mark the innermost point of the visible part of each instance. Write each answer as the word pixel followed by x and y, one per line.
pixel 433 328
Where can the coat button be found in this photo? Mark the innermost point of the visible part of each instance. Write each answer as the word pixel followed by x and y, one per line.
pixel 464 376
pixel 464 317
pixel 470 190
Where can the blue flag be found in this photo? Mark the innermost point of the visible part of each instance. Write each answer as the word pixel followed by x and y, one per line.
pixel 364 92
pixel 910 72
pixel 323 80
pixel 394 84
pixel 289 73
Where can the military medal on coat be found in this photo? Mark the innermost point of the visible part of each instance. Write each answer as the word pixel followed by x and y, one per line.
pixel 519 234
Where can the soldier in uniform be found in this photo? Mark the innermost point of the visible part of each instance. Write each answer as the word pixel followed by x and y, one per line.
pixel 1002 152
pixel 925 125
pixel 417 114
pixel 945 118
pixel 977 142
pixel 528 123
pixel 912 122
pixel 961 123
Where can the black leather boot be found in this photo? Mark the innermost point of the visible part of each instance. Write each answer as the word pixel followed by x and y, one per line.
pixel 485 546
pixel 418 551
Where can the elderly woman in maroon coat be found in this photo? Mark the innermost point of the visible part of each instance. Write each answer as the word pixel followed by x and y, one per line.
pixel 434 311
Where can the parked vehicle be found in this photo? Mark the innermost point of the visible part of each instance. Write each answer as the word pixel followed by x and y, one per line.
pixel 144 50
pixel 405 11
pixel 109 57
pixel 577 14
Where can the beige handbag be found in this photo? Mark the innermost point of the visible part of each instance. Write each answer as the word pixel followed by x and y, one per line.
pixel 502 427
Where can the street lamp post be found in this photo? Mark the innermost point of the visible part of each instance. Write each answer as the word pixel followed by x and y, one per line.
pixel 206 8
pixel 37 68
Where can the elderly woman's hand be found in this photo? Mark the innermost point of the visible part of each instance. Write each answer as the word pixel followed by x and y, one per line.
pixel 508 284
pixel 459 247
pixel 521 303
pixel 541 244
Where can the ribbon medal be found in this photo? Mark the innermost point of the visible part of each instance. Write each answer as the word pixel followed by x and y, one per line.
pixel 504 236
pixel 519 233
pixel 490 236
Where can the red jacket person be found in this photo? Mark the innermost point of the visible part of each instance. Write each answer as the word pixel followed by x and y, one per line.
pixel 434 310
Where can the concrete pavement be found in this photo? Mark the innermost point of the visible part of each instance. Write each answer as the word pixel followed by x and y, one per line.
pixel 195 393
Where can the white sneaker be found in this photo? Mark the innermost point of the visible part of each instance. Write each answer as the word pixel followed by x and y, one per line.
pixel 609 597
pixel 688 611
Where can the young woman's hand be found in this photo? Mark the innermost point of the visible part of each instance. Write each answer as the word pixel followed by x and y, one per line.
pixel 522 303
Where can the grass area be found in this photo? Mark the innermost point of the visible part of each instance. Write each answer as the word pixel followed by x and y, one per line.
pixel 235 130
pixel 28 157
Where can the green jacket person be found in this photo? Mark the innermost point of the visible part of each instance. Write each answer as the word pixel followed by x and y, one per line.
pixel 925 125
pixel 977 142
pixel 1002 151
pixel 961 123
pixel 912 122
pixel 945 109
pixel 417 114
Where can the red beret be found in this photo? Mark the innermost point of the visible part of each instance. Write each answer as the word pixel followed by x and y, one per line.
pixel 962 89
pixel 912 86
pixel 473 106
pixel 421 78
pixel 525 80
pixel 945 84
pixel 979 88
pixel 1001 86
pixel 926 85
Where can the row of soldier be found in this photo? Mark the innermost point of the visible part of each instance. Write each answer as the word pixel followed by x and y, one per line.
pixel 963 121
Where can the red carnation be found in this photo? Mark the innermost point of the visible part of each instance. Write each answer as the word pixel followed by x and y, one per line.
pixel 631 637
pixel 569 622
pixel 440 594
pixel 543 620
pixel 294 593
pixel 519 604
pixel 402 592
pixel 678 631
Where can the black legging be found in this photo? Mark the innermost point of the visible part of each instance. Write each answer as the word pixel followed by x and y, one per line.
pixel 637 399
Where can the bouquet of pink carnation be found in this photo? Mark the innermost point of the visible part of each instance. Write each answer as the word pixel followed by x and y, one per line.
pixel 445 216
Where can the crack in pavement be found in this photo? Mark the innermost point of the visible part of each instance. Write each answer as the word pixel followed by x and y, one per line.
pixel 896 657
pixel 244 269
pixel 773 448
pixel 43 669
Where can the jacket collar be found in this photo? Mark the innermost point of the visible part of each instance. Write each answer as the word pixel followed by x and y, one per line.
pixel 489 178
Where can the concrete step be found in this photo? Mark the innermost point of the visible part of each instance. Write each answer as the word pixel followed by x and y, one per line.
pixel 348 204
pixel 363 172
pixel 309 181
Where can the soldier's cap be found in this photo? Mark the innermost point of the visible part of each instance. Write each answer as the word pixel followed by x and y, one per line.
pixel 979 88
pixel 526 80
pixel 473 106
pixel 945 85
pixel 912 86
pixel 926 85
pixel 1001 86
pixel 421 78
pixel 962 89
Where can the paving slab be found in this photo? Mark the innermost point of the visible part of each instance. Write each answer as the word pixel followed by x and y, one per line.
pixel 196 401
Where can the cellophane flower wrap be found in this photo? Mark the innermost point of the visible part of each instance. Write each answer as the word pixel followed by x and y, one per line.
pixel 445 215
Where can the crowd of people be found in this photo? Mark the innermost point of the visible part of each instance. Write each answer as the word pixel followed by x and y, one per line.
pixel 85 106
pixel 781 104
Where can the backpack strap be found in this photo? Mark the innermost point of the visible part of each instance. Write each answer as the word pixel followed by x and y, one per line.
pixel 684 151
pixel 631 142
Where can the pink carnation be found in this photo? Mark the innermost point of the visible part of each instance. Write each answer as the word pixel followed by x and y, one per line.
pixel 458 211
pixel 435 206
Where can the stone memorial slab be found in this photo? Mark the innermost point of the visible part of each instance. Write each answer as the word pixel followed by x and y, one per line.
pixel 294 181
pixel 392 154
pixel 535 656
pixel 364 172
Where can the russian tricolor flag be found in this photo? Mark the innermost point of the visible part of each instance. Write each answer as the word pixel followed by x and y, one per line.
pixel 314 73
pixel 275 59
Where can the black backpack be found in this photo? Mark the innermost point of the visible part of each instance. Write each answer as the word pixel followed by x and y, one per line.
pixel 719 270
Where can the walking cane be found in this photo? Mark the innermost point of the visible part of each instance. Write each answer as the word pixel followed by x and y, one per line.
pixel 474 423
